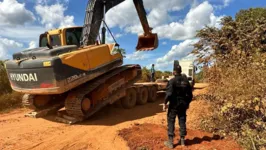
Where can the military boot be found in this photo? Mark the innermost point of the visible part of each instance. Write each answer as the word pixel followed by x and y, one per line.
pixel 169 143
pixel 182 141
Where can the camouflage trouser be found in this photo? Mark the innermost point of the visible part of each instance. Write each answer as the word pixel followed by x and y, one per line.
pixel 171 117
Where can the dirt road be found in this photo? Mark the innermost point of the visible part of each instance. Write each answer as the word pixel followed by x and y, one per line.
pixel 99 132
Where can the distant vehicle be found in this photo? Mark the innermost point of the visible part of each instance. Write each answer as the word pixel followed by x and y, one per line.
pixel 188 70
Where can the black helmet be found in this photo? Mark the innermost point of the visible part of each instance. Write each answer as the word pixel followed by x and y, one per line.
pixel 178 69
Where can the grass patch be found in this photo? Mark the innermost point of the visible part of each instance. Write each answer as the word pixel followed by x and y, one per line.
pixel 9 101
pixel 8 98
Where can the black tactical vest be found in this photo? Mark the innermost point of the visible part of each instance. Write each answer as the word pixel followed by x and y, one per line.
pixel 180 87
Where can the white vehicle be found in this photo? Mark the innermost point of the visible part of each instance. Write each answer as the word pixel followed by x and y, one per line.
pixel 188 70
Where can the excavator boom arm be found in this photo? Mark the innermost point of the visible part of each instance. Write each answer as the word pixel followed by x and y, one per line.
pixel 142 16
pixel 149 40
pixel 95 14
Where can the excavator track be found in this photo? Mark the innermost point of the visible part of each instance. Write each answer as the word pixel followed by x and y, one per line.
pixel 74 99
pixel 37 102
pixel 27 101
pixel 42 105
pixel 40 102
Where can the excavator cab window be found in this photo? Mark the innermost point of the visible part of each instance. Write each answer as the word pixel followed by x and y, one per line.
pixel 73 36
pixel 43 40
pixel 55 40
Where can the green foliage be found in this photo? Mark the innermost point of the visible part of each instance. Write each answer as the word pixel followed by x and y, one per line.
pixel 245 37
pixel 8 99
pixel 168 72
pixel 146 74
pixel 5 85
pixel 252 13
pixel 199 77
pixel 238 76
pixel 121 51
pixel 159 74
pixel 239 99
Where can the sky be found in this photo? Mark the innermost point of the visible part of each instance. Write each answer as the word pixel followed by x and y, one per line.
pixel 175 22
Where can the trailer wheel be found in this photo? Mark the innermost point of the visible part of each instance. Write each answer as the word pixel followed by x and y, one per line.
pixel 152 94
pixel 118 104
pixel 143 96
pixel 129 101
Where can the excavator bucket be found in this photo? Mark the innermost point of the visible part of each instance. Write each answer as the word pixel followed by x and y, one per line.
pixel 148 42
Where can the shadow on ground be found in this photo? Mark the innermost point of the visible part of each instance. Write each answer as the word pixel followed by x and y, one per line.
pixel 111 115
pixel 198 140
pixel 152 136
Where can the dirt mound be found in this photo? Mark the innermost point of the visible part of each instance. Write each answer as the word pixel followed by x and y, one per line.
pixel 151 137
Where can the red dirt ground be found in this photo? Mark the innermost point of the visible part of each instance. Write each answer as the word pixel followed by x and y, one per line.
pixel 100 132
pixel 151 137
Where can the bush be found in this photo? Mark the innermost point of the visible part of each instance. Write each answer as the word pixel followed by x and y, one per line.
pixel 8 98
pixel 146 74
pixel 239 100
pixel 199 77
pixel 237 76
pixel 4 83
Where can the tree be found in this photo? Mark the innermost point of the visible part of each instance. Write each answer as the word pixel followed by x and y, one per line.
pixel 145 75
pixel 167 72
pixel 245 35
pixel 4 82
pixel 199 77
pixel 252 13
pixel 237 77
pixel 121 51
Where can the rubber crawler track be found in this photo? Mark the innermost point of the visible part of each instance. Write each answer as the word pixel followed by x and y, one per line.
pixel 74 99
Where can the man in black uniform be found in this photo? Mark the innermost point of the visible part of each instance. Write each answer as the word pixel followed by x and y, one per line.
pixel 179 95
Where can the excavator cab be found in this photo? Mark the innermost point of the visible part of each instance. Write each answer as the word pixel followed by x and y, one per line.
pixel 147 42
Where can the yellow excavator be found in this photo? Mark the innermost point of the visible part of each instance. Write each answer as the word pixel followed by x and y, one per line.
pixel 71 68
